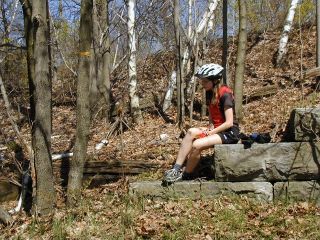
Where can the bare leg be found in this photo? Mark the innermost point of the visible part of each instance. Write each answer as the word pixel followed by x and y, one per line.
pixel 197 146
pixel 193 160
pixel 186 144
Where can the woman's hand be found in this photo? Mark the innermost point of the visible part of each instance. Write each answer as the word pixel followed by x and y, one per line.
pixel 207 130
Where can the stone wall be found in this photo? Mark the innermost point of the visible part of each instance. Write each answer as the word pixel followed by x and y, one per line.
pixel 267 172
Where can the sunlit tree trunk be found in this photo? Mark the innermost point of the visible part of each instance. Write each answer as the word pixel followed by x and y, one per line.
pixel 28 32
pixel 41 127
pixel 95 59
pixel 134 98
pixel 170 90
pixel 225 41
pixel 241 55
pixel 83 106
pixel 180 85
pixel 282 50
pixel 318 33
pixel 104 84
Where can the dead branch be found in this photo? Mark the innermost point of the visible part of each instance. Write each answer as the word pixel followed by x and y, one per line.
pixel 14 125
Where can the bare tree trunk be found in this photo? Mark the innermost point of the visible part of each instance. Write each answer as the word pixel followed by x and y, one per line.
pixel 197 36
pixel 282 50
pixel 104 83
pixel 180 84
pixel 186 60
pixel 95 59
pixel 134 98
pixel 28 31
pixel 41 127
pixel 225 41
pixel 318 33
pixel 94 65
pixel 241 55
pixel 83 108
pixel 194 86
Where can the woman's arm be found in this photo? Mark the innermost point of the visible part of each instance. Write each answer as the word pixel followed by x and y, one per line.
pixel 226 125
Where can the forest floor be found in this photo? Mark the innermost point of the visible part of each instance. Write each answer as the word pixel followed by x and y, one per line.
pixel 108 212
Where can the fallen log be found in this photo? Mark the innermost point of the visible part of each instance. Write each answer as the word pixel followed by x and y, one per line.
pixel 113 167
pixel 314 72
pixel 259 93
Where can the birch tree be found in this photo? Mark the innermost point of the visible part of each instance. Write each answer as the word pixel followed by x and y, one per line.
pixel 282 50
pixel 169 93
pixel 83 106
pixel 197 35
pixel 134 98
pixel 241 55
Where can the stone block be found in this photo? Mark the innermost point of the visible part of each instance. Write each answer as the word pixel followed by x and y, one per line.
pixel 303 125
pixel 269 162
pixel 298 191
pixel 262 191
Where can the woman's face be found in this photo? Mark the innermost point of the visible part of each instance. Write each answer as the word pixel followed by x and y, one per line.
pixel 206 84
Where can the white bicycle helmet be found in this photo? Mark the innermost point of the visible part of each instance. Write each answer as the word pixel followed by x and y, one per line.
pixel 210 70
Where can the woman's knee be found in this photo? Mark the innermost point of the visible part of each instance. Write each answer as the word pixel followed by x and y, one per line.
pixel 197 146
pixel 193 132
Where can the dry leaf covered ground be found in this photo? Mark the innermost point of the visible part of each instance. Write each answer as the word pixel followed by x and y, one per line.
pixel 107 212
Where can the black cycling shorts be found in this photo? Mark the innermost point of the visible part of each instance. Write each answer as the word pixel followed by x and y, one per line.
pixel 230 136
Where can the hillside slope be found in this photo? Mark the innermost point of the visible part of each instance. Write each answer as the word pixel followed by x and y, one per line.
pixel 266 114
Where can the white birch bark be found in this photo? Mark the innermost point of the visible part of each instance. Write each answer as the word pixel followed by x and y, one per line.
pixel 203 24
pixel 169 93
pixel 134 99
pixel 200 28
pixel 210 21
pixel 186 54
pixel 286 30
pixel 205 19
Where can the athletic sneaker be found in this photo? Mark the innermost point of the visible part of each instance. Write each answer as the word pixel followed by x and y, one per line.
pixel 172 175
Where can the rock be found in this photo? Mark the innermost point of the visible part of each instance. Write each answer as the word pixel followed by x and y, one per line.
pixel 261 191
pixel 100 145
pixel 298 191
pixel 267 162
pixel 164 137
pixel 303 125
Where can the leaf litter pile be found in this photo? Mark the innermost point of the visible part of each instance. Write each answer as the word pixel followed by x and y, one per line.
pixel 107 212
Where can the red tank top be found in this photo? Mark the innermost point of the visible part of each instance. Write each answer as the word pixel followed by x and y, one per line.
pixel 217 116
